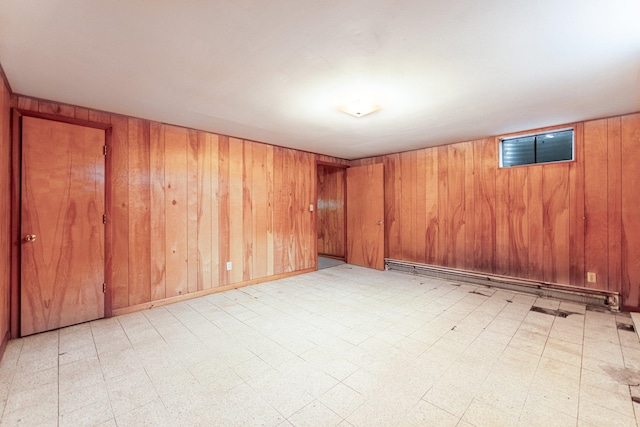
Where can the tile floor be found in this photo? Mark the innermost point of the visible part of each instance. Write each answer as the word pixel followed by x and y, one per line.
pixel 342 346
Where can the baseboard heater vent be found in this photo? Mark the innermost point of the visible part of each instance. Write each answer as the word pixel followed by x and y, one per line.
pixel 596 297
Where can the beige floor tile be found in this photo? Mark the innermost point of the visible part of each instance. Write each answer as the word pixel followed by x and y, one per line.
pixel 425 414
pixel 482 414
pixel 342 400
pixel 130 391
pixel 599 415
pixel 350 346
pixel 315 414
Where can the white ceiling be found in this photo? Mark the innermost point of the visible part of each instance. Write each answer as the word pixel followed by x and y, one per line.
pixel 276 71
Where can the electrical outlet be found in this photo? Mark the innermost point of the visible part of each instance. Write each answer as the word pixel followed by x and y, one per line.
pixel 228 265
pixel 591 277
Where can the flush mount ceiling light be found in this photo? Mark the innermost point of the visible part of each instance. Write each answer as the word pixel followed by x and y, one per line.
pixel 359 107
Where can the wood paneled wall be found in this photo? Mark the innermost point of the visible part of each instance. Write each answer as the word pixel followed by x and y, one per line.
pixel 182 203
pixel 5 210
pixel 331 210
pixel 453 206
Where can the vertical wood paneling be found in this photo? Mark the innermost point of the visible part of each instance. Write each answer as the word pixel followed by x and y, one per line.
pixel 236 242
pixel 536 224
pixel 555 196
pixel 176 210
pixel 455 205
pixel 518 232
pixel 614 203
pixel 120 212
pixel 431 212
pixel 630 251
pixel 502 221
pixel 139 215
pixel 407 203
pixel 269 173
pixel 216 243
pixel 421 205
pixel 485 162
pixel 5 211
pixel 451 210
pixel 224 211
pixel 247 210
pixel 392 201
pixel 192 211
pixel 183 202
pixel 469 205
pixel 596 202
pixel 205 209
pixel 577 211
pixel 442 252
pixel 157 204
pixel 260 211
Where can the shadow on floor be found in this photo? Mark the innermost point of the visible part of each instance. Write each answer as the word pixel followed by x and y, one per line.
pixel 324 262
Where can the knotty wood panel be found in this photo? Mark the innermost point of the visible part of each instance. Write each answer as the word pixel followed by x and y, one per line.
pixel 176 195
pixel 176 210
pixel 192 211
pixel 549 222
pixel 518 219
pixel 236 208
pixel 484 153
pixel 205 198
pixel 455 205
pixel 119 280
pixel 294 191
pixel 596 202
pixel 630 250
pixel 535 208
pixel 408 205
pixel 431 210
pixel 139 215
pixel 555 197
pixel 614 202
pixel 157 225
pixel 443 208
pixel 577 210
pixel 330 210
pixel 247 210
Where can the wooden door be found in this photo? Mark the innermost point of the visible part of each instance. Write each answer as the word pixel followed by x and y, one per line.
pixel 365 216
pixel 62 247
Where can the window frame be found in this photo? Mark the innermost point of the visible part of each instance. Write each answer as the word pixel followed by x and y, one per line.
pixel 536 134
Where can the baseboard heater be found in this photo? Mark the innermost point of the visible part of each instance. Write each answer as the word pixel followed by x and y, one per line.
pixel 595 297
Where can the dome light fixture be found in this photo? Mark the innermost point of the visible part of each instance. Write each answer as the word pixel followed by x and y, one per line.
pixel 359 107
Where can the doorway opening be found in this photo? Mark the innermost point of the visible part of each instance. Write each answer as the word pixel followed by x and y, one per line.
pixel 331 218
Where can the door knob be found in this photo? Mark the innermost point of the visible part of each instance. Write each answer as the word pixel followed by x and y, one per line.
pixel 380 222
pixel 30 237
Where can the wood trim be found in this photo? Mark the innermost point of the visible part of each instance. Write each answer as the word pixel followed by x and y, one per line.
pixel 3 344
pixel 108 230
pixel 204 292
pixel 16 136
pixel 16 142
pixel 344 203
pixel 339 258
pixel 3 76
pixel 64 119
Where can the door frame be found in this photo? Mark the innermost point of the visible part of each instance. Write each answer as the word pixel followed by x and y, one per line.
pixel 16 200
pixel 344 192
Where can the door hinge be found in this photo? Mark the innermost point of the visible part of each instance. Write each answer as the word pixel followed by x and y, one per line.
pixel 104 218
pixel 104 150
pixel 104 287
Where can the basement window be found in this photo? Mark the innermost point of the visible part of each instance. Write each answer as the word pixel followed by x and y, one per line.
pixel 548 147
